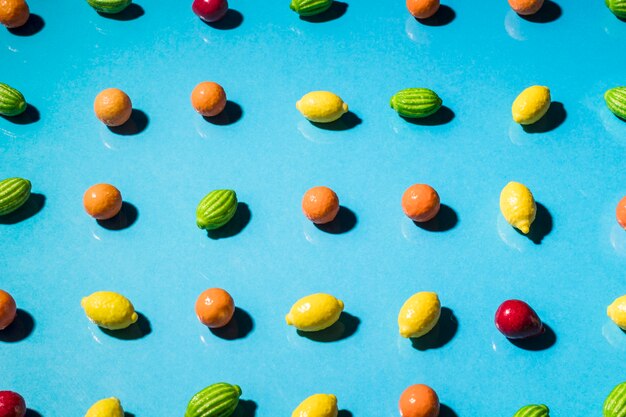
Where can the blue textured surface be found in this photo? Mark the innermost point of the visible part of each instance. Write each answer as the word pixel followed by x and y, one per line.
pixel 477 62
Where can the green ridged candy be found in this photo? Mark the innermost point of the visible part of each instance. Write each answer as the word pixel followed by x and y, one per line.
pixel 533 410
pixel 310 7
pixel 616 101
pixel 618 7
pixel 13 194
pixel 217 400
pixel 109 6
pixel 416 103
pixel 12 102
pixel 615 403
pixel 216 209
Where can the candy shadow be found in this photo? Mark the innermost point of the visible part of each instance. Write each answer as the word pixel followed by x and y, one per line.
pixel 334 12
pixel 132 12
pixel 32 413
pixel 541 227
pixel 21 328
pixel 344 413
pixel 543 341
pixel 127 414
pixel 554 117
pixel 549 12
pixel 231 20
pixel 441 117
pixel 29 116
pixel 33 25
pixel 345 221
pixel 245 408
pixel 346 122
pixel 123 220
pixel 138 330
pixel 343 328
pixel 137 123
pixel 444 16
pixel 443 332
pixel 240 326
pixel 445 411
pixel 445 220
pixel 231 114
pixel 235 225
pixel 32 206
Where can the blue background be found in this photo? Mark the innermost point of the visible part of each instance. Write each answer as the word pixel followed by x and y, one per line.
pixel 54 254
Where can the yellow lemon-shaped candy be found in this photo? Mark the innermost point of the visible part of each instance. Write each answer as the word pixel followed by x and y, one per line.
pixel 318 405
pixel 108 407
pixel 419 314
pixel 321 106
pixel 517 205
pixel 617 311
pixel 109 310
pixel 531 105
pixel 315 312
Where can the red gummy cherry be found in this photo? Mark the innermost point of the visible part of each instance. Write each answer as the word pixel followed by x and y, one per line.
pixel 12 404
pixel 210 10
pixel 517 320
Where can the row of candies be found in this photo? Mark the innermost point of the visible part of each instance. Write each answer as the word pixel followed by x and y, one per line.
pixel 15 13
pixel 114 107
pixel 222 399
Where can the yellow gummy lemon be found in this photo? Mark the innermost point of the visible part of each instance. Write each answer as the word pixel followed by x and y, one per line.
pixel 419 314
pixel 108 407
pixel 617 311
pixel 518 206
pixel 321 106
pixel 315 312
pixel 318 405
pixel 531 105
pixel 109 310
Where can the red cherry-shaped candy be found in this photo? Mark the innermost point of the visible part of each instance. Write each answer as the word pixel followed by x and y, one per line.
pixel 12 404
pixel 517 320
pixel 210 10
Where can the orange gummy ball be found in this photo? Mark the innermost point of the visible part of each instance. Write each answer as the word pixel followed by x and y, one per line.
pixel 419 401
pixel 113 107
pixel 620 212
pixel 215 307
pixel 14 13
pixel 8 309
pixel 320 205
pixel 420 202
pixel 208 98
pixel 422 9
pixel 526 7
pixel 102 201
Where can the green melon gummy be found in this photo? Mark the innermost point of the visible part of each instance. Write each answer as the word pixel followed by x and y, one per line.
pixel 13 194
pixel 615 403
pixel 109 6
pixel 616 101
pixel 618 7
pixel 416 103
pixel 533 410
pixel 216 209
pixel 310 7
pixel 217 400
pixel 12 102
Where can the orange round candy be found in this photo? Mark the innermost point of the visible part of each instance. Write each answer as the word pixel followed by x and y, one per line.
pixel 14 13
pixel 102 201
pixel 526 7
pixel 419 401
pixel 420 202
pixel 113 107
pixel 422 9
pixel 620 212
pixel 8 309
pixel 320 205
pixel 215 307
pixel 208 98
